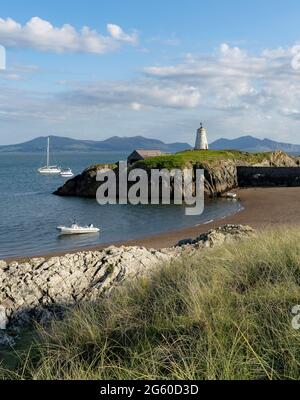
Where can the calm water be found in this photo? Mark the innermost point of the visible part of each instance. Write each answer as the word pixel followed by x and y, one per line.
pixel 29 213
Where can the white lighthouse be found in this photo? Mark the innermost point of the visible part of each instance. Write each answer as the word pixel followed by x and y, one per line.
pixel 201 139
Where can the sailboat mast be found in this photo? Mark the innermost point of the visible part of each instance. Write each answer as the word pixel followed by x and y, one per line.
pixel 48 152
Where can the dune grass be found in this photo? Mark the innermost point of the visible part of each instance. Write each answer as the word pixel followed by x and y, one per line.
pixel 224 313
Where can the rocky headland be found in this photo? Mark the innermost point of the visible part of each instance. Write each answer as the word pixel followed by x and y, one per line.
pixel 39 288
pixel 220 171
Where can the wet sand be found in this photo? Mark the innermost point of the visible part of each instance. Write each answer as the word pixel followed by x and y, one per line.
pixel 263 208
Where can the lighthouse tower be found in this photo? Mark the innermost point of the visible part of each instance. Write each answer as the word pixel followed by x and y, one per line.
pixel 201 139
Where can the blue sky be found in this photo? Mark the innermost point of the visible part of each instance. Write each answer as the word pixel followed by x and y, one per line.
pixel 150 68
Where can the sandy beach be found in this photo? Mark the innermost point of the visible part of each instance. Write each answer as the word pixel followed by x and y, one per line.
pixel 263 208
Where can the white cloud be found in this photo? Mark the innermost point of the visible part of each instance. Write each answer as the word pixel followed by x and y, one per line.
pixel 137 94
pixel 117 33
pixel 234 80
pixel 275 53
pixel 235 91
pixel 11 77
pixel 136 106
pixel 232 53
pixel 41 35
pixel 2 58
pixel 18 72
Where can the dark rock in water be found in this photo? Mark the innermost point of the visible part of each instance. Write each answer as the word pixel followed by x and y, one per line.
pixel 85 184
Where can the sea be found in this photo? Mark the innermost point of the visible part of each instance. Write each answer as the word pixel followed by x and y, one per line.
pixel 30 213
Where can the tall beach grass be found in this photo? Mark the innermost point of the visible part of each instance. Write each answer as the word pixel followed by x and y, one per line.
pixel 224 313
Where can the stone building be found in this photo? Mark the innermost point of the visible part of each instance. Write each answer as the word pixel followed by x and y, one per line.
pixel 138 155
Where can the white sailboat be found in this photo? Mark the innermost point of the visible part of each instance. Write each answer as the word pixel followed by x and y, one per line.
pixel 49 169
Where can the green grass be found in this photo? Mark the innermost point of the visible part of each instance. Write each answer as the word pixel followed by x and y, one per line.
pixel 188 158
pixel 221 314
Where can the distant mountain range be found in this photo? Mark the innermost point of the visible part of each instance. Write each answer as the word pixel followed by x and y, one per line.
pixel 114 144
pixel 252 144
pixel 128 144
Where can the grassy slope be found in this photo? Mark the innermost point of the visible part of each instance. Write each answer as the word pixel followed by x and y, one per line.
pixel 221 314
pixel 187 158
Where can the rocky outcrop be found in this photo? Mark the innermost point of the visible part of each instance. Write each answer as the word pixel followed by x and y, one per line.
pixel 220 176
pixel 37 288
pixel 215 237
pixel 279 159
pixel 85 184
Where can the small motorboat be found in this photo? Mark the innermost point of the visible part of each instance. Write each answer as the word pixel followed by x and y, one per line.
pixel 67 173
pixel 76 229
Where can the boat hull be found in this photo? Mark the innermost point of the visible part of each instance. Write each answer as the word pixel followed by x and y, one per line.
pixel 81 231
pixel 49 171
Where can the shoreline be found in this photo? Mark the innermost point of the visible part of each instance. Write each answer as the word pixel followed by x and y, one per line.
pixel 261 208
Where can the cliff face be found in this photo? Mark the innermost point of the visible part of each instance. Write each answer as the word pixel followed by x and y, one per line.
pixel 279 159
pixel 220 175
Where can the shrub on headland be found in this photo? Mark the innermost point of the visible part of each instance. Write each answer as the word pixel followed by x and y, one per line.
pixel 223 313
